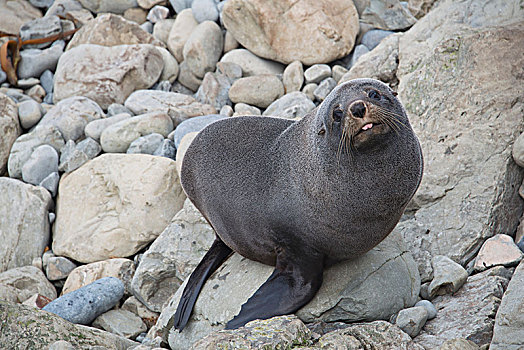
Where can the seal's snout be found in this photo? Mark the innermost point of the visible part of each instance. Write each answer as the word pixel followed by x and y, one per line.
pixel 358 109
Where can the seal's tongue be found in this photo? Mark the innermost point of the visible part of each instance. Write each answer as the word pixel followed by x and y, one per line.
pixel 367 126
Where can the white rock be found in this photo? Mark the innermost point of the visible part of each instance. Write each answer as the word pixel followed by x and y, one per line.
pixel 29 113
pixel 257 90
pixel 203 48
pixel 42 163
pixel 95 128
pixel 184 25
pixel 251 64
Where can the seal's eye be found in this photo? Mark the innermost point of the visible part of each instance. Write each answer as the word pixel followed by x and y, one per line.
pixel 337 115
pixel 374 94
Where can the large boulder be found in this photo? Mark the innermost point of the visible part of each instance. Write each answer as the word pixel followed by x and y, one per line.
pixel 26 282
pixel 114 205
pixel 311 31
pixel 9 129
pixel 460 86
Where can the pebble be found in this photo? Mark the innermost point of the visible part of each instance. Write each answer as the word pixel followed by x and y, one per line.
pixel 83 305
pixel 42 162
pixel 40 28
pixel 47 80
pixel 46 256
pixel 120 322
pixel 50 183
pixel 37 301
pixel 293 77
pixel 147 144
pixel 48 98
pixel 157 13
pixel 37 93
pixel 71 158
pixel 292 105
pixel 182 28
pixel 58 268
pixel 308 89
pixel 147 4
pixel 203 48
pixel 214 90
pixel 324 88
pixel 357 52
pixel 230 43
pixel 180 5
pixel 52 216
pixel 338 71
pixel 245 109
pixel 257 90
pixel 61 345
pixel 164 85
pixel 33 62
pixel 133 305
pixel 166 149
pixel 373 37
pixel 41 3
pixel 448 276
pixel 194 124
pixel 182 148
pixel 430 308
pixel 316 73
pixel 252 64
pixel 117 108
pixel 226 110
pixel 81 17
pixel 204 10
pixel 187 78
pixel 162 28
pixel 29 113
pixel 90 147
pixel 147 26
pixel 411 320
pixel 136 15
pixel 27 83
pixel 95 128
pixel 170 70
pixel 498 250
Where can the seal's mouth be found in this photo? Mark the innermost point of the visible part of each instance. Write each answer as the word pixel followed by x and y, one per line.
pixel 368 127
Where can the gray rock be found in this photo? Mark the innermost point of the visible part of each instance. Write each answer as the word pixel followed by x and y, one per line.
pixel 338 71
pixel 164 85
pixel 50 183
pixel 41 3
pixel 3 76
pixel 29 113
pixel 48 98
pixel 194 124
pixel 324 88
pixel 411 320
pixel 184 25
pixel 27 280
pixel 293 77
pixel 518 150
pixel 214 90
pixel 179 5
pixel 187 78
pixel 231 70
pixel 83 305
pixel 42 162
pixel 448 276
pixel 29 328
pixel 40 28
pixel 308 90
pixel 292 105
pixel 203 48
pixel 147 144
pixel 147 27
pixel 251 64
pixel 459 344
pixel 117 108
pixel 390 15
pixel 114 6
pixel 61 345
pixel 33 62
pixel 166 149
pixel 27 83
pixel 430 308
pixel 257 90
pixel 204 10
pixel 71 158
pixel 498 250
pixel 90 147
pixel 227 111
pixel 508 333
pixel 357 53
pixel 95 128
pixel 58 268
pixel 120 322
pixel 157 14
pixel 316 73
pixel 245 109
pixel 133 305
pixel 62 7
pixel 373 37
pixel 171 69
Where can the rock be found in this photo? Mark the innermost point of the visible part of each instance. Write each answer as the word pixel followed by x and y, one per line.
pixel 71 115
pixel 226 110
pixel 33 62
pixel 120 268
pixel 467 314
pixel 324 88
pixel 120 322
pixel 172 257
pixel 204 10
pixel 251 64
pixel 432 68
pixel 111 30
pixel 316 73
pixel 180 5
pixel 30 328
pixel 309 89
pixel 182 148
pixel 135 14
pixel 29 113
pixel 358 52
pixel 231 70
pixel 101 6
pixel 188 79
pixel 448 276
pixel 338 71
pixel 292 105
pixel 181 30
pixel 498 250
pixel 83 305
pixel 8 293
pixel 293 77
pixel 157 14
pixel 380 64
pixel 3 76
pixel 276 333
pixel 203 48
pixel 106 74
pixel 146 144
pixel 411 320
pixel 24 225
pixel 458 344
pixel 118 137
pixel 518 150
pixel 26 281
pixel 15 14
pixel 150 187
pixel 178 106
pixel 133 305
pixel 46 80
pixel 90 147
pixel 170 71
pixel 147 4
pixel 508 332
pixel 117 108
pixel 148 27
pixel 214 90
pixel 61 345
pixel 311 32
pixel 166 149
pixel 194 124
pixel 37 301
pixel 50 183
pixel 42 162
pixel 59 268
pixel 430 308
pixel 373 37
pixel 245 109
pixel 388 15
pixel 230 43
pixel 258 90
pixel 40 28
pixel 9 129
pixel 27 83
pixel 63 7
pixel 95 128
pixel 37 93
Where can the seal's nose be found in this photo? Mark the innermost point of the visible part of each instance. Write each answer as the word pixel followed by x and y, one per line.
pixel 358 109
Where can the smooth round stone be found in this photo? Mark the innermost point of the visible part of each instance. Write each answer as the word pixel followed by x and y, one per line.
pixel 40 28
pixel 357 52
pixel 50 183
pixel 59 268
pixel 162 28
pixel 147 144
pixel 293 77
pixel 83 305
pixel 42 162
pixel 147 26
pixel 157 14
pixel 47 80
pixel 226 110
pixel 338 71
pixel 411 320
pixel 324 88
pixel 252 64
pixel 180 5
pixel 316 73
pixel 181 30
pixel 204 10
pixel 33 62
pixel 373 37
pixel 194 124
pixel 95 128
pixel 258 90
pixel 203 48
pixel 292 105
pixel 430 308
pixel 117 108
pixel 29 113
pixel 308 89
pixel 166 149
pixel 245 109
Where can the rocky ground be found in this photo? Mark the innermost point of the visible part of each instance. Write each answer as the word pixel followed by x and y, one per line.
pixel 97 232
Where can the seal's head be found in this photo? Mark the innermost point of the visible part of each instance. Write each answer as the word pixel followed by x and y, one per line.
pixel 364 113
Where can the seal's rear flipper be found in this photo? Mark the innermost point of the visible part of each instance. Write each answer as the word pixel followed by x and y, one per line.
pixel 291 285
pixel 209 263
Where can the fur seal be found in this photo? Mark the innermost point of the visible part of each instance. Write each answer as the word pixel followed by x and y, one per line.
pixel 301 195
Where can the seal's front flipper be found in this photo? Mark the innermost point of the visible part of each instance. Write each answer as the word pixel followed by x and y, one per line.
pixel 209 263
pixel 292 284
